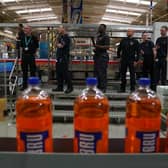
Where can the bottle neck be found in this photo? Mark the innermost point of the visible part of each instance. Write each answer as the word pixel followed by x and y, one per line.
pixel 91 86
pixel 33 86
pixel 144 87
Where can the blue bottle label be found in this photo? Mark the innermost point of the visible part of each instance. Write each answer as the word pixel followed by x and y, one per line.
pixel 148 141
pixel 34 142
pixel 87 142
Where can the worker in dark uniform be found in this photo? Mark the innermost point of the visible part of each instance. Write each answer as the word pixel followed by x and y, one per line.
pixel 101 57
pixel 161 57
pixel 128 51
pixel 19 36
pixel 30 45
pixel 147 52
pixel 62 66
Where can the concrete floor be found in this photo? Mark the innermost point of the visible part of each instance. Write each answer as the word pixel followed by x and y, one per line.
pixel 65 130
pixel 60 130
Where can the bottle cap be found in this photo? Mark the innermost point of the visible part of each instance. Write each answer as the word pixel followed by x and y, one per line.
pixel 144 81
pixel 91 81
pixel 33 80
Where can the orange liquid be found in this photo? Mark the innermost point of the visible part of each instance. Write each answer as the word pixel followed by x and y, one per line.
pixel 34 116
pixel 91 117
pixel 143 125
pixel 166 147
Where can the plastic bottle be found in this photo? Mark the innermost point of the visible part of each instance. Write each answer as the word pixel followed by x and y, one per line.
pixel 91 120
pixel 166 142
pixel 143 120
pixel 34 119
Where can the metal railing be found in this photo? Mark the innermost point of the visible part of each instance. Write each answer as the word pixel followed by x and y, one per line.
pixel 13 76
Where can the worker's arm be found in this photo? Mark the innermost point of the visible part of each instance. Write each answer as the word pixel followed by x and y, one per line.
pixel 119 49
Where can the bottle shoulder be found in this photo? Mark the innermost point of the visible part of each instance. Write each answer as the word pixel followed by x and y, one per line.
pixel 91 96
pixel 92 93
pixel 34 92
pixel 143 104
pixel 141 94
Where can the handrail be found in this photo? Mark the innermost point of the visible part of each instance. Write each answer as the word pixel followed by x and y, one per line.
pixel 13 68
pixel 12 86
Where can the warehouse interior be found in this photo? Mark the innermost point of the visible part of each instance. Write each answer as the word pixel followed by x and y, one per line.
pixel 45 16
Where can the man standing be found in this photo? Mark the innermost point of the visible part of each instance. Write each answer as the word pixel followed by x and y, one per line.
pixel 161 56
pixel 128 50
pixel 19 36
pixel 101 57
pixel 62 55
pixel 30 45
pixel 147 51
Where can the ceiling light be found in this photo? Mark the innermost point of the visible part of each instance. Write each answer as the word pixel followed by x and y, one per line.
pixel 34 10
pixel 45 22
pixel 42 18
pixel 37 16
pixel 3 1
pixel 27 6
pixel 46 9
pixel 123 12
pixel 117 44
pixel 107 22
pixel 116 20
pixel 7 35
pixel 131 9
pixel 148 3
pixel 132 1
pixel 8 31
pixel 142 2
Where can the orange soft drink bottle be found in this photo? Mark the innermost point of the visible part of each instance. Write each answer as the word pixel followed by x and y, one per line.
pixel 143 120
pixel 91 120
pixel 166 143
pixel 34 119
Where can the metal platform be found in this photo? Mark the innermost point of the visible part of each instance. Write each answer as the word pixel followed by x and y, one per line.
pixel 65 158
pixel 63 103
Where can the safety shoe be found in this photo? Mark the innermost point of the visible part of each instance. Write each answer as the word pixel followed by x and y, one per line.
pixel 68 90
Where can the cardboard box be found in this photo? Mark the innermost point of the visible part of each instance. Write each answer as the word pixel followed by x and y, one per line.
pixel 3 104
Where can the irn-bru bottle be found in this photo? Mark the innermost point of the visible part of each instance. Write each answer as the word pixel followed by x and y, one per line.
pixel 143 120
pixel 166 144
pixel 91 120
pixel 34 119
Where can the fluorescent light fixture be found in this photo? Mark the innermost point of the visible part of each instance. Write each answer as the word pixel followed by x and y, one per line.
pixel 132 1
pixel 27 6
pixel 45 22
pixel 37 16
pixel 7 35
pixel 3 1
pixel 148 3
pixel 42 18
pixel 125 8
pixel 123 12
pixel 34 10
pixel 141 2
pixel 117 20
pixel 8 31
pixel 112 23
pixel 117 44
pixel 46 9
